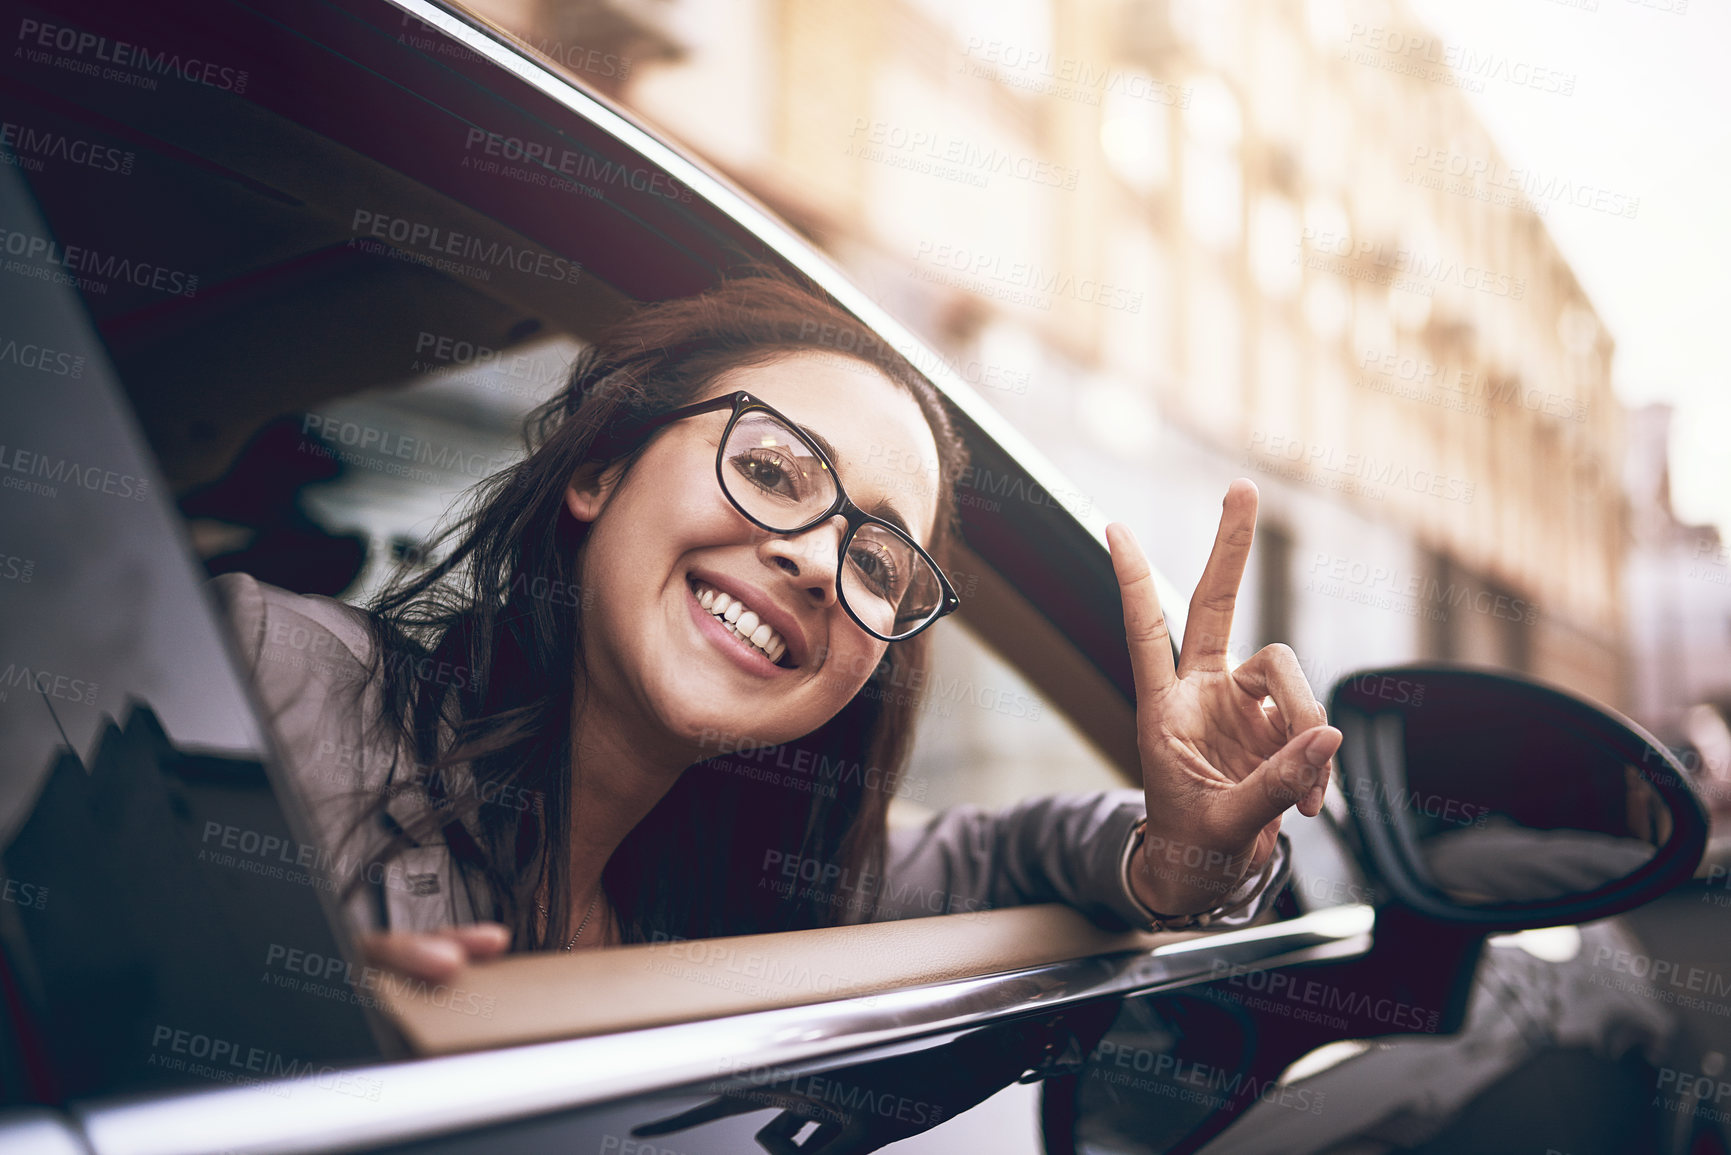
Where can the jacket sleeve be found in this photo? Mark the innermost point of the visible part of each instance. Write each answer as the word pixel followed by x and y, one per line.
pixel 305 656
pixel 1067 848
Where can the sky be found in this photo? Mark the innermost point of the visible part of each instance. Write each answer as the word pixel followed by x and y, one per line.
pixel 1649 117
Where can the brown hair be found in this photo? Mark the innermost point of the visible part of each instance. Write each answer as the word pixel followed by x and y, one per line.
pixel 503 607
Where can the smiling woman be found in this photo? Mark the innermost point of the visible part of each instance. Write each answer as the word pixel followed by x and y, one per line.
pixel 745 499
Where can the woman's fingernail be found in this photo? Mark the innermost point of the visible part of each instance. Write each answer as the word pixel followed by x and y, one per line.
pixel 1322 746
pixel 436 953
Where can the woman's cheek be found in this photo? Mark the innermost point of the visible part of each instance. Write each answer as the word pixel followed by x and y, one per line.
pixel 850 669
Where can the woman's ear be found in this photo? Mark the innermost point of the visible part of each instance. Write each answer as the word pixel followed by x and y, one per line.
pixel 591 488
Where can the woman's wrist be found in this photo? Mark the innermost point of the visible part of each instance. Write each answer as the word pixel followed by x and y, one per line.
pixel 1178 888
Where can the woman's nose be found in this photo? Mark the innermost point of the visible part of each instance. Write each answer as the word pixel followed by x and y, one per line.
pixel 809 558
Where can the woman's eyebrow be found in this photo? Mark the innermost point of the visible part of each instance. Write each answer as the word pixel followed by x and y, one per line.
pixel 884 508
pixel 890 514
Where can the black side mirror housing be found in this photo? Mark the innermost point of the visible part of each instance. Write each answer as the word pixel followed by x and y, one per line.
pixel 1486 799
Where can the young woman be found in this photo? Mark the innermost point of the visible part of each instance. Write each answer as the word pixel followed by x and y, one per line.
pixel 657 664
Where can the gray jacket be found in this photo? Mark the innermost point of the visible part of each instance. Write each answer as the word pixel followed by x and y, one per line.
pixel 305 655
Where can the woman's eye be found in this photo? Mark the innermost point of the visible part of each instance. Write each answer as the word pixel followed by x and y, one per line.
pixel 768 470
pixel 878 568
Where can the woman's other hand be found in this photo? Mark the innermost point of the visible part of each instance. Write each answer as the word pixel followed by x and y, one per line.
pixel 1224 751
pixel 436 955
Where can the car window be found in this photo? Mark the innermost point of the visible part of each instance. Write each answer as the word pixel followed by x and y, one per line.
pixel 152 860
pixel 988 736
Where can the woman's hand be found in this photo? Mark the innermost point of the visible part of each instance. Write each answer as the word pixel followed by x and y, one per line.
pixel 1224 751
pixel 436 955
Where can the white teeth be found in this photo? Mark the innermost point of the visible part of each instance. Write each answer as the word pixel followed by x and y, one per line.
pixel 743 622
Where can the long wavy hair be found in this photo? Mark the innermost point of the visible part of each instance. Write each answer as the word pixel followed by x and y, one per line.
pixel 476 659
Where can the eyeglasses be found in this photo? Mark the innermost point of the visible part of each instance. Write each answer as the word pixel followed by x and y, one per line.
pixel 782 481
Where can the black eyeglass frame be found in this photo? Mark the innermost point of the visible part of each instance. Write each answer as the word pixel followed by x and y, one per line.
pixel 742 402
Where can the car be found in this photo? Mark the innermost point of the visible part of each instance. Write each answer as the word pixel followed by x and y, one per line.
pixel 280 281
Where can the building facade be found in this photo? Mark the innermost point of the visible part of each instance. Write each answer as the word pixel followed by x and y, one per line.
pixel 1178 241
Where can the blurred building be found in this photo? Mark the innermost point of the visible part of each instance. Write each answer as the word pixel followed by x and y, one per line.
pixel 1178 242
pixel 1679 594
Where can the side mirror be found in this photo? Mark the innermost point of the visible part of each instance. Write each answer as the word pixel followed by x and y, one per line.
pixel 1489 799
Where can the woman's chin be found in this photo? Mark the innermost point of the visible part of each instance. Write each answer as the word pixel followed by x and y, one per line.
pixel 714 731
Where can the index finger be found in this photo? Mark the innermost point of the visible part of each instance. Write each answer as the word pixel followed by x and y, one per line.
pixel 1145 625
pixel 1211 607
pixel 432 957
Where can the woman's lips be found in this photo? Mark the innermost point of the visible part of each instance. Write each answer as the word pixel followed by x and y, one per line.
pixel 741 619
pixel 737 650
pixel 716 591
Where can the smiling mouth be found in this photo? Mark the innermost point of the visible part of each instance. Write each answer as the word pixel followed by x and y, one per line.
pixel 738 619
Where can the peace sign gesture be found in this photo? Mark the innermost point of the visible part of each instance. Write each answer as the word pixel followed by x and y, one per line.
pixel 1224 751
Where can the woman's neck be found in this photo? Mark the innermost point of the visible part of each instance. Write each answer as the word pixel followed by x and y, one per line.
pixel 616 780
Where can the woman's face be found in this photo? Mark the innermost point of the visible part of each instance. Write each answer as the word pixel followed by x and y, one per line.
pixel 664 536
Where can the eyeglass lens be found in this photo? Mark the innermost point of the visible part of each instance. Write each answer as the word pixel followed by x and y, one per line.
pixel 775 475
